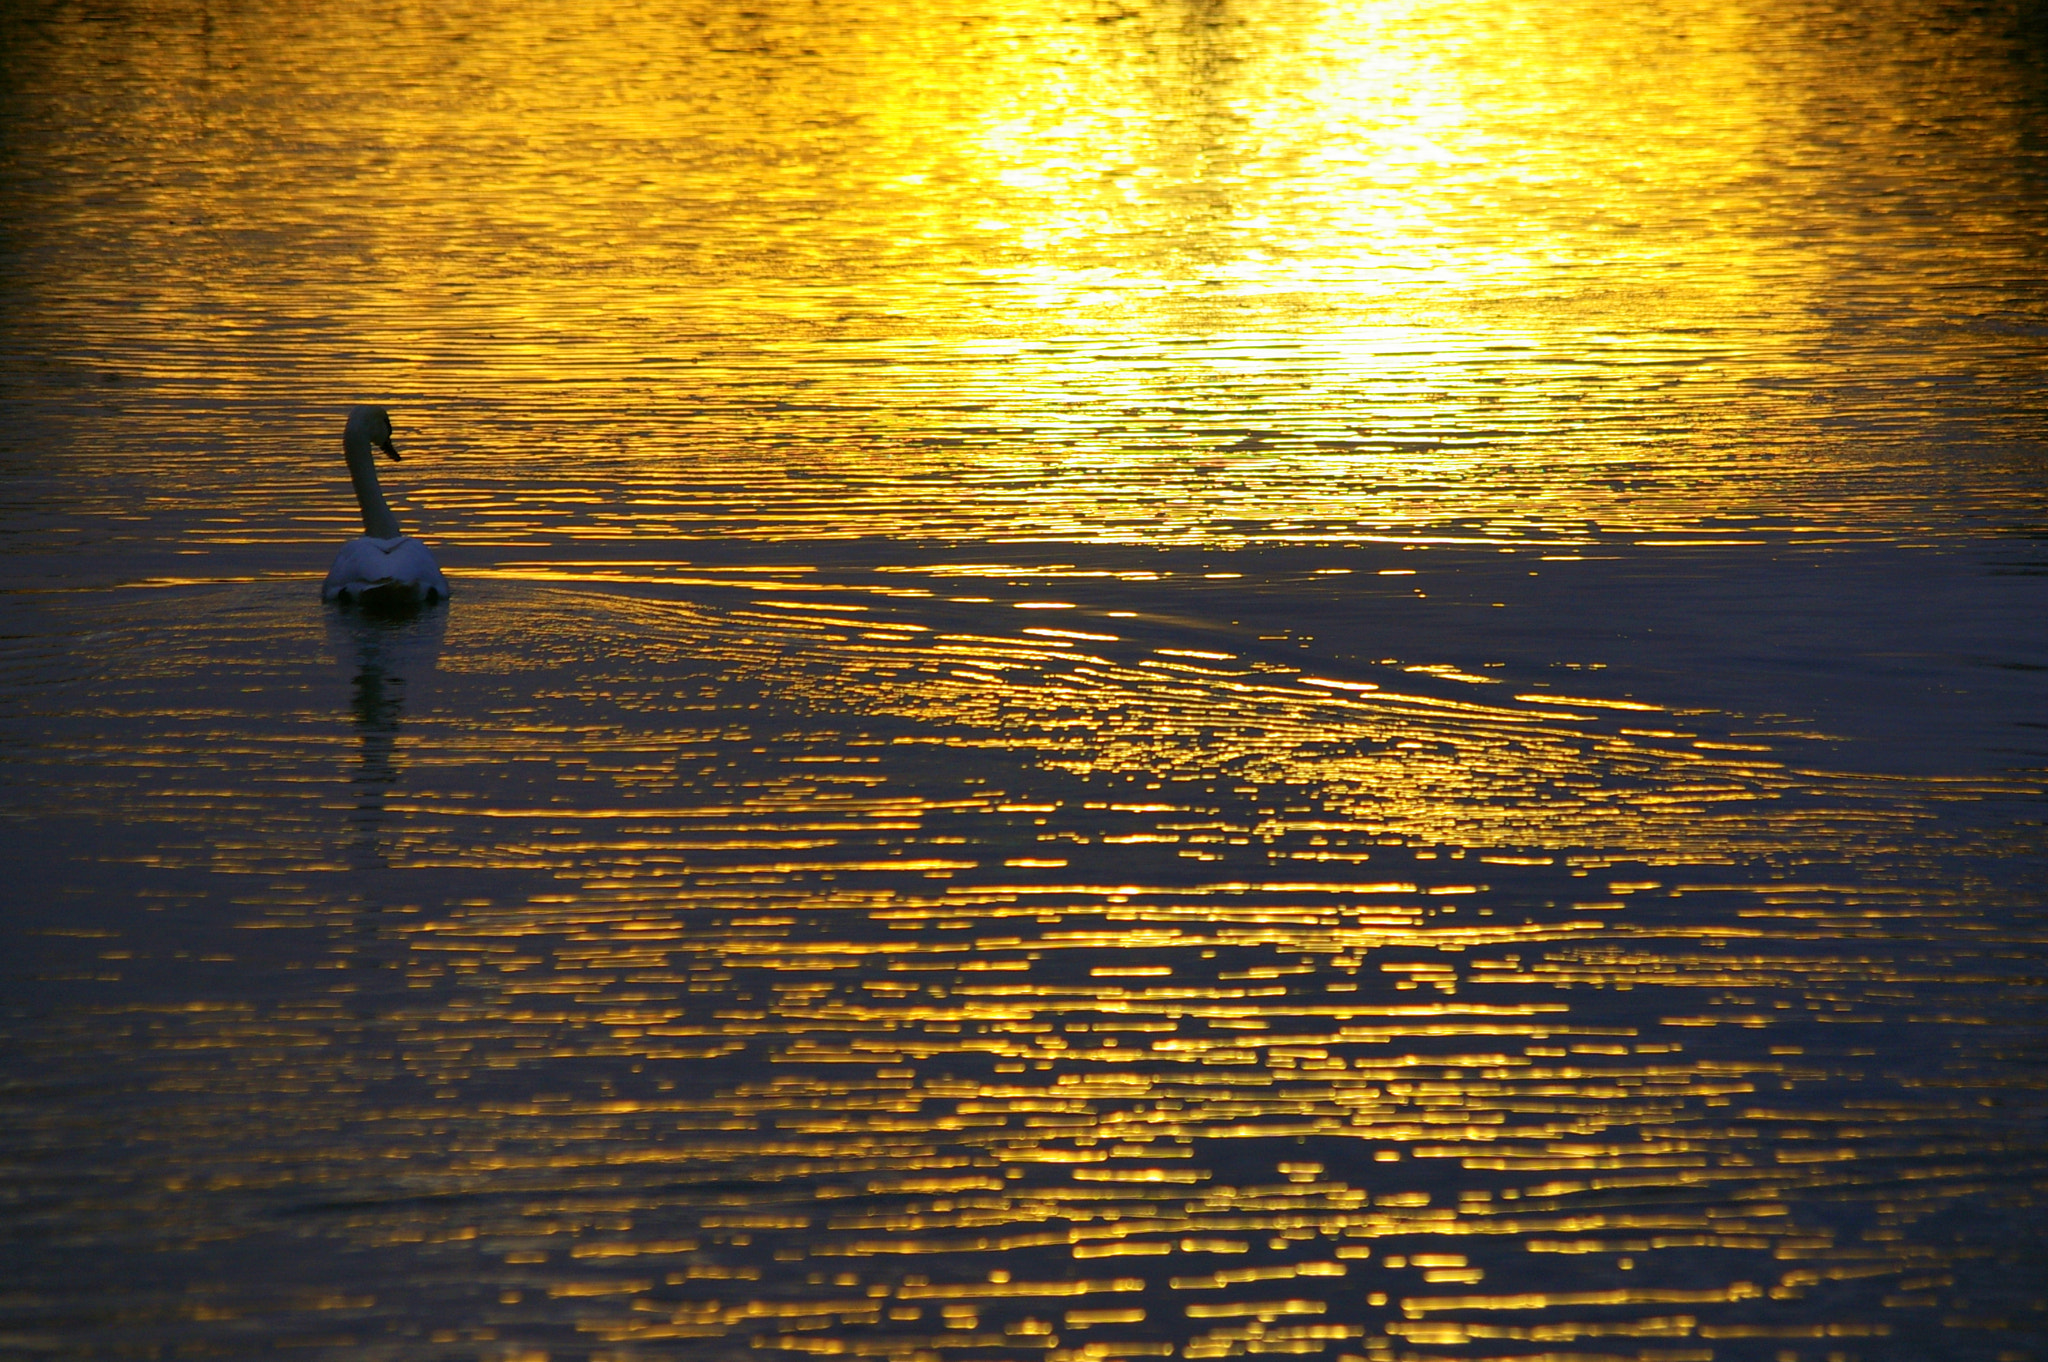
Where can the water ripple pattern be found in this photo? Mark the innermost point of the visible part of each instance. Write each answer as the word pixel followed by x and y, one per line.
pixel 1128 679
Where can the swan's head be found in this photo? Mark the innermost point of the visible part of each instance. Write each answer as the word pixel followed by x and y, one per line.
pixel 369 426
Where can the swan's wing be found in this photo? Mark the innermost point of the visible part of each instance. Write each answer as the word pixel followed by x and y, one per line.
pixel 400 566
pixel 409 562
pixel 359 564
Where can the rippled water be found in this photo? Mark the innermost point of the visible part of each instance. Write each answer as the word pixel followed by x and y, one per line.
pixel 1191 679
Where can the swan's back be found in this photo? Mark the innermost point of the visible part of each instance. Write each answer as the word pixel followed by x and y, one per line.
pixel 384 573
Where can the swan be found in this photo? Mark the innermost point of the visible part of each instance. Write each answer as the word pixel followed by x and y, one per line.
pixel 385 568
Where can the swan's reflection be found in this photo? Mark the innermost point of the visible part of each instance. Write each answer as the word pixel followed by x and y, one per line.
pixel 392 656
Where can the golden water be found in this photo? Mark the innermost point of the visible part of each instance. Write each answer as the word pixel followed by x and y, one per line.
pixel 1128 679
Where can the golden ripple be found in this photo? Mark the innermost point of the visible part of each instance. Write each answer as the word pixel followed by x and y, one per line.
pixel 1258 914
pixel 621 998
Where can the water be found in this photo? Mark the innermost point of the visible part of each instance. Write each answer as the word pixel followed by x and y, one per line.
pixel 1191 679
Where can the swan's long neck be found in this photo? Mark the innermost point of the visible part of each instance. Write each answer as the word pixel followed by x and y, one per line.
pixel 378 522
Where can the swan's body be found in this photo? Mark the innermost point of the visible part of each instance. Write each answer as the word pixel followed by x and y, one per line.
pixel 385 567
pixel 395 571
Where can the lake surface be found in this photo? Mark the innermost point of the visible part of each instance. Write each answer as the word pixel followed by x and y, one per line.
pixel 1128 679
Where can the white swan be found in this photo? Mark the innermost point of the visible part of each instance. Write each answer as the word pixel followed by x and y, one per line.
pixel 385 568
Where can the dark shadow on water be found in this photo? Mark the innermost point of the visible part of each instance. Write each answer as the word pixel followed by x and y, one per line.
pixel 391 655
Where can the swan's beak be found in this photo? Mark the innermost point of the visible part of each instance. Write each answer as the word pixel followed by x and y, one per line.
pixel 389 448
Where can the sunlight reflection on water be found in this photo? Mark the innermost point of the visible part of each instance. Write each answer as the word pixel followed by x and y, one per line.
pixel 1200 680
